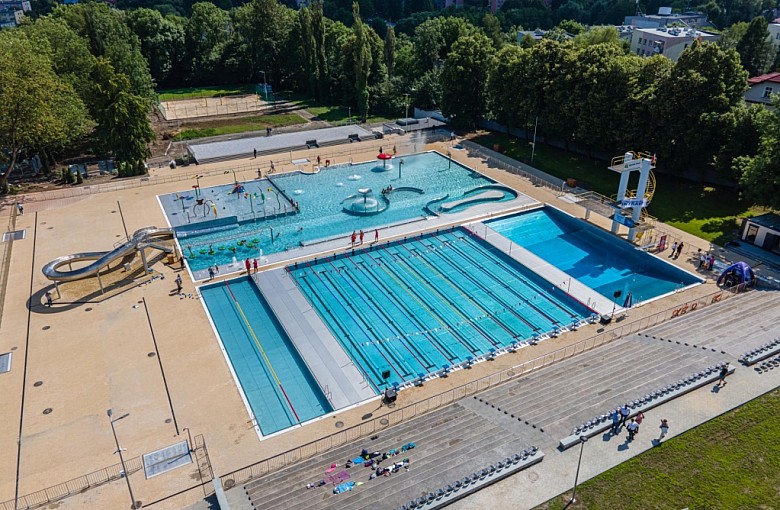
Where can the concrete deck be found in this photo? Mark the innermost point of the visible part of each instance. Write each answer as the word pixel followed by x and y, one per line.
pixel 342 383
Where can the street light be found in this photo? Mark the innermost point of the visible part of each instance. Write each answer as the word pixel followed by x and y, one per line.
pixel 406 106
pixel 583 440
pixel 265 87
pixel 121 457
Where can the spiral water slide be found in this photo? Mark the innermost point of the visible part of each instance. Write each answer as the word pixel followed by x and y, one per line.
pixel 143 238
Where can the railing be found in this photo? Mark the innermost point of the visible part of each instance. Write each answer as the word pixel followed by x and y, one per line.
pixel 5 258
pixel 97 478
pixel 536 176
pixel 71 487
pixel 405 413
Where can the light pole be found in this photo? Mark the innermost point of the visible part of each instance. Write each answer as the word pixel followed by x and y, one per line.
pixel 533 144
pixel 406 106
pixel 119 451
pixel 583 440
pixel 349 113
pixel 265 87
pixel 400 164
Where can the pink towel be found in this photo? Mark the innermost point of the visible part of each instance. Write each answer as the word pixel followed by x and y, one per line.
pixel 331 469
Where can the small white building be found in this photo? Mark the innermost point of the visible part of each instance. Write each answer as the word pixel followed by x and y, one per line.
pixel 669 42
pixel 761 88
pixel 762 231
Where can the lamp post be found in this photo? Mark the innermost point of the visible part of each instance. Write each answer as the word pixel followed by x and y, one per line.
pixel 349 113
pixel 265 87
pixel 533 144
pixel 119 451
pixel 583 440
pixel 400 164
pixel 406 106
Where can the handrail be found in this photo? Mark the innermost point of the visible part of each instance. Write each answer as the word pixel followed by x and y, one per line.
pixel 396 416
pixel 5 258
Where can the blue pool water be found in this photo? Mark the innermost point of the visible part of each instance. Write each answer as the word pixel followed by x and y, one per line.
pixel 425 178
pixel 596 258
pixel 412 307
pixel 266 398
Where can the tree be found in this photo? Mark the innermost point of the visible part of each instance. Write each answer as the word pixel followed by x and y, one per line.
pixel 755 49
pixel 205 39
pixel 705 83
pixel 38 109
pixel 161 39
pixel 492 28
pixel 760 175
pixel 464 79
pixel 390 49
pixel 262 29
pixel 108 36
pixel 122 116
pixel 599 35
pixel 363 61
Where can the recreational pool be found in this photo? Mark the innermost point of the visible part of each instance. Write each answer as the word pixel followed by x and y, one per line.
pixel 596 258
pixel 274 380
pixel 287 211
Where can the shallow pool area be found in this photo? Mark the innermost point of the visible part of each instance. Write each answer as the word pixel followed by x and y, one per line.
pixel 251 219
pixel 600 260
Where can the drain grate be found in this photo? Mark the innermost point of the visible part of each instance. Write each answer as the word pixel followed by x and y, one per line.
pixel 166 459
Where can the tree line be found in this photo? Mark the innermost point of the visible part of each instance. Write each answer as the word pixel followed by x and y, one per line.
pixel 95 70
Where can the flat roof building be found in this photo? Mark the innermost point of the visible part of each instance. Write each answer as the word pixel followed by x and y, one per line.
pixel 669 42
pixel 665 18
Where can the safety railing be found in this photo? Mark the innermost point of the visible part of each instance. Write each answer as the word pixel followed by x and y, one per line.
pixel 534 175
pixel 397 416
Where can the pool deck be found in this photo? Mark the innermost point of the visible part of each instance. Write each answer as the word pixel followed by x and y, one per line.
pixel 552 274
pixel 166 368
pixel 338 377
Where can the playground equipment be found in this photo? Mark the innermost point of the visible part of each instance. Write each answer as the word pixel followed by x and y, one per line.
pixel 140 240
pixel 630 204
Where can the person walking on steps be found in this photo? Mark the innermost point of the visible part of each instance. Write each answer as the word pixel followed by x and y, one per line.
pixel 48 299
pixel 178 284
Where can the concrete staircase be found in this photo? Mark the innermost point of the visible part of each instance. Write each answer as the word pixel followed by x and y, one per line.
pixel 452 443
pixel 733 326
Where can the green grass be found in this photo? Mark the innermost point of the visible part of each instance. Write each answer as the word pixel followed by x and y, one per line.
pixel 211 91
pixel 708 212
pixel 329 113
pixel 730 462
pixel 240 125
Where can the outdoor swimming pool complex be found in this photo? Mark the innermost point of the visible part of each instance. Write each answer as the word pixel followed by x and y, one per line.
pixel 414 307
pixel 278 387
pixel 594 257
pixel 332 203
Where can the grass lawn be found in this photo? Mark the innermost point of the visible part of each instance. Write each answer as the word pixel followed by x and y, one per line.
pixel 709 212
pixel 730 462
pixel 211 91
pixel 329 113
pixel 239 125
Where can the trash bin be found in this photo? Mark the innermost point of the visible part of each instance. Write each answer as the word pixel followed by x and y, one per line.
pixel 171 258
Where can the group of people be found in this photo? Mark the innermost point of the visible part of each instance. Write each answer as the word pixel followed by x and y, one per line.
pixel 213 271
pixel 620 418
pixel 360 235
pixel 706 261
pixel 387 190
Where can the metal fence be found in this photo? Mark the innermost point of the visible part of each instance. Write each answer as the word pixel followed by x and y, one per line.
pixel 5 258
pixel 536 176
pixel 71 487
pixel 405 413
pixel 109 474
